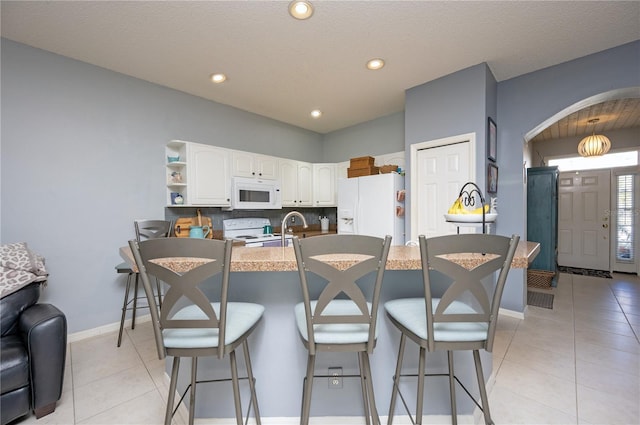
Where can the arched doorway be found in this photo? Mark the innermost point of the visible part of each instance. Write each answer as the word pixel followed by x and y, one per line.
pixel 577 243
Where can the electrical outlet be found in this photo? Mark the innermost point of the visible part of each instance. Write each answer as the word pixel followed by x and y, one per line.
pixel 335 377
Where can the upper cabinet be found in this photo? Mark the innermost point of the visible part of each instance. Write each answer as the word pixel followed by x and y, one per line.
pixel 247 164
pixel 209 177
pixel 296 183
pixel 197 175
pixel 200 175
pixel 176 170
pixel 324 185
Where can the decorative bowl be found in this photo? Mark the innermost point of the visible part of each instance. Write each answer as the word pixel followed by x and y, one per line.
pixel 173 158
pixel 471 218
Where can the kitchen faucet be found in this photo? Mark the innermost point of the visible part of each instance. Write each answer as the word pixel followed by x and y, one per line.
pixel 283 226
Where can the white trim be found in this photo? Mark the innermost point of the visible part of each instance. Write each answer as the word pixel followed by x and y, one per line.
pixel 340 420
pixel 78 336
pixel 511 313
pixel 414 148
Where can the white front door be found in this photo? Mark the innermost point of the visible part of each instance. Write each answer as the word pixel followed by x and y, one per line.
pixel 583 219
pixel 440 172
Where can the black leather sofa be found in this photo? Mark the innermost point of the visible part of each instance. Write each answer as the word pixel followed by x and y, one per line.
pixel 33 347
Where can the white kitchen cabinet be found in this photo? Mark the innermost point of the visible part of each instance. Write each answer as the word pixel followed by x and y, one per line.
pixel 247 164
pixel 324 185
pixel 176 171
pixel 296 183
pixel 209 178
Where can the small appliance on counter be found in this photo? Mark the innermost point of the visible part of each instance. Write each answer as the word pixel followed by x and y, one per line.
pixel 251 231
pixel 324 224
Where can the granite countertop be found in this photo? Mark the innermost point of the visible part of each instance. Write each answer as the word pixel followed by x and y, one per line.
pixel 278 259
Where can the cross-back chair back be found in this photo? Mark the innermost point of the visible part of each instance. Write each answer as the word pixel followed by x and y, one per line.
pixel 466 287
pixel 189 324
pixel 343 317
pixel 152 229
pixel 462 317
pixel 315 255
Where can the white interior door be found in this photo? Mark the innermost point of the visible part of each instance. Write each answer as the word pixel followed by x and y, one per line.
pixel 583 219
pixel 440 173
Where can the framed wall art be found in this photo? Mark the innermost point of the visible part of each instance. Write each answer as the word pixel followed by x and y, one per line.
pixel 492 178
pixel 492 141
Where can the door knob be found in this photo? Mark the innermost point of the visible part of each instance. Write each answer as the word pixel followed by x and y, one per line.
pixel 605 225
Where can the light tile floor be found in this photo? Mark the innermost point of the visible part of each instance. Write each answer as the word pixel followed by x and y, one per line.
pixel 576 364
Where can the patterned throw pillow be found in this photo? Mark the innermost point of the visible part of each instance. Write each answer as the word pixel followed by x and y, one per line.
pixel 19 266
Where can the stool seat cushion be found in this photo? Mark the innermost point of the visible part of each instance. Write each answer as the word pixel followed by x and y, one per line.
pixel 343 333
pixel 411 313
pixel 240 318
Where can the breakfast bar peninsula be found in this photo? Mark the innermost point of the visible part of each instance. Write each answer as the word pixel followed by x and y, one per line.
pixel 268 276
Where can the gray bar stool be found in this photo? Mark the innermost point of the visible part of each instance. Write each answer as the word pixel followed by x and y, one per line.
pixel 145 229
pixel 191 325
pixel 342 318
pixel 463 319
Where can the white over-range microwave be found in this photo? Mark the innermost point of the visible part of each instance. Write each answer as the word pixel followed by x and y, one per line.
pixel 255 194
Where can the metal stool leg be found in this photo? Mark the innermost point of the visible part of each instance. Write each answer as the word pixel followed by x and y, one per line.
pixel 306 393
pixel 483 389
pixel 420 395
pixel 363 384
pixel 252 382
pixel 452 389
pixel 135 303
pixel 124 307
pixel 172 390
pixel 396 380
pixel 375 418
pixel 236 388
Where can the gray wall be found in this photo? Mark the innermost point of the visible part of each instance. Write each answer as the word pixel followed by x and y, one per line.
pixel 458 103
pixel 83 155
pixel 525 102
pixel 377 137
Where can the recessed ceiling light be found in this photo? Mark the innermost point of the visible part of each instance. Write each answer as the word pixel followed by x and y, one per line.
pixel 374 64
pixel 218 78
pixel 316 113
pixel 300 9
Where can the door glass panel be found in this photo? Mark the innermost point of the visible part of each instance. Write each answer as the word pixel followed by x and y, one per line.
pixel 625 209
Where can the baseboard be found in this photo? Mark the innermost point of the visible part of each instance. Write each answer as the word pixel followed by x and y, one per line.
pixel 111 327
pixel 511 313
pixel 339 420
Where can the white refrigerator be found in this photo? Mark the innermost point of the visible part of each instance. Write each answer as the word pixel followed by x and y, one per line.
pixel 373 206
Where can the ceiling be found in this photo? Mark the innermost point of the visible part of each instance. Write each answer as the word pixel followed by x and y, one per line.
pixel 282 68
pixel 611 115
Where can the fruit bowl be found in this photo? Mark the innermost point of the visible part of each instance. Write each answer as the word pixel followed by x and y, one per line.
pixel 471 218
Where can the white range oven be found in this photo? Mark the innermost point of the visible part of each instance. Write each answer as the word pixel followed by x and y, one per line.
pixel 251 231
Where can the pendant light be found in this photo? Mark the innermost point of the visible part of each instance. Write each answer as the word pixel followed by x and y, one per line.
pixel 595 144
